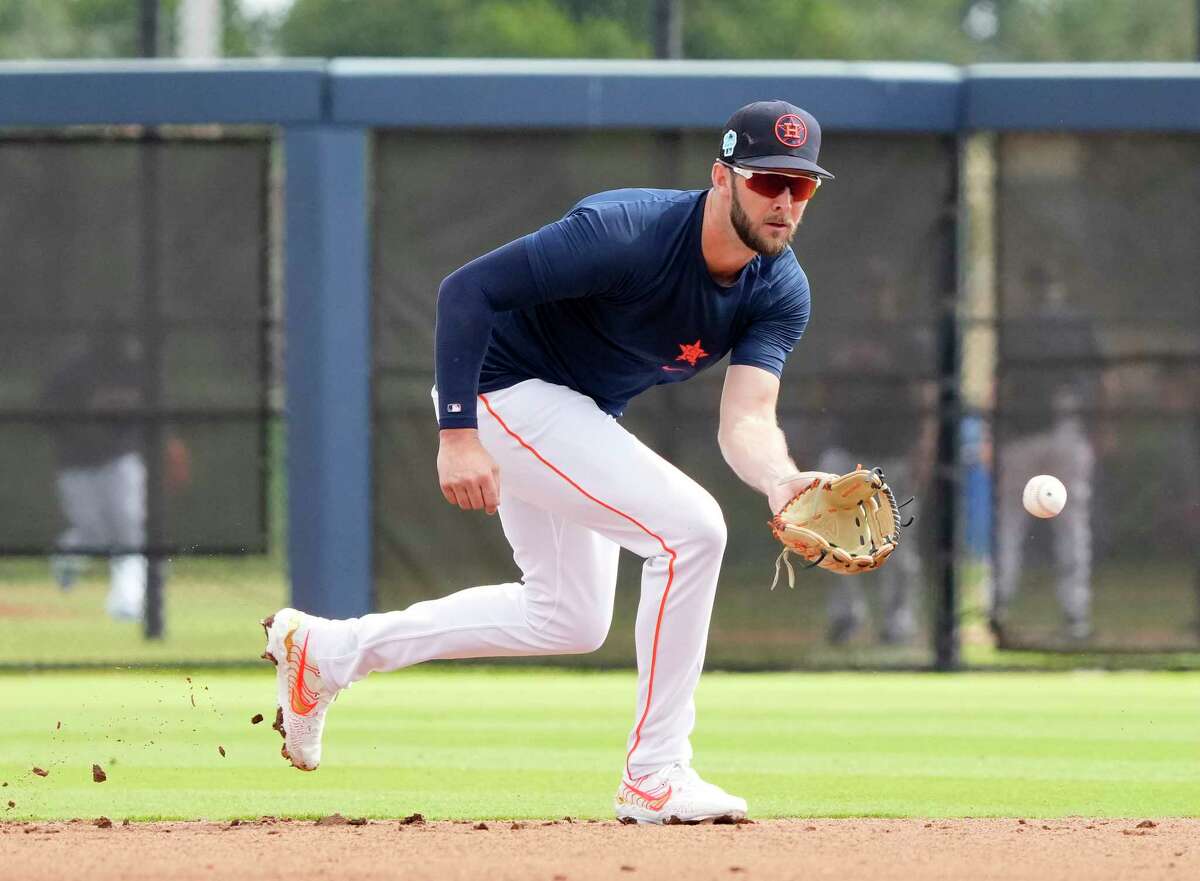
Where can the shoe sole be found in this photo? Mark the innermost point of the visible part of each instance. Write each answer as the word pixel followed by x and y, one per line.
pixel 730 818
pixel 280 693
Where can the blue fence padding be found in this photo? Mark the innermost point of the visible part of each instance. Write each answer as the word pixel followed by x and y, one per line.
pixel 1083 97
pixel 328 308
pixel 160 93
pixel 457 93
pixel 505 93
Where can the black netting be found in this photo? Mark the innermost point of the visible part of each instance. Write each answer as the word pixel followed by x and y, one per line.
pixel 875 244
pixel 1098 377
pixel 133 348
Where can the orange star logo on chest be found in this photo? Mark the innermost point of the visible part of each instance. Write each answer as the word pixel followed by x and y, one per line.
pixel 691 353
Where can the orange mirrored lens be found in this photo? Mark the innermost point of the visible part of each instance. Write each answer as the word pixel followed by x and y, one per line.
pixel 771 185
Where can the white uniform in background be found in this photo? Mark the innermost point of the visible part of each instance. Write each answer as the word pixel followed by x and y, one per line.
pixel 106 508
pixel 1050 382
pixel 1066 452
pixel 101 470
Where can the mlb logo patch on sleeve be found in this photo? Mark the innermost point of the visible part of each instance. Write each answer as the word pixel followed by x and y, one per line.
pixel 454 408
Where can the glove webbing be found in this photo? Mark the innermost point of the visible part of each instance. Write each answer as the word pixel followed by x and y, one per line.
pixel 887 490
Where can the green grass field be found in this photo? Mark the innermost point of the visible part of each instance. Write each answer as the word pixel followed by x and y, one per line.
pixel 478 742
pixel 212 606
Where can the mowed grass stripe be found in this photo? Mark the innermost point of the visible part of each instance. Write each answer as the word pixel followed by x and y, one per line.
pixel 473 742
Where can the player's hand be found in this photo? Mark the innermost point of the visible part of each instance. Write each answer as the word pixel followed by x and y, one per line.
pixel 781 493
pixel 177 465
pixel 469 477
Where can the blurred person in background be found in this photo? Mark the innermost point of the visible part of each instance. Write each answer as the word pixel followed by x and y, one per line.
pixel 99 443
pixel 869 378
pixel 1042 428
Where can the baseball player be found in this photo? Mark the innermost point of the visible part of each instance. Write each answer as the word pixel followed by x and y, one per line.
pixel 101 469
pixel 855 409
pixel 540 345
pixel 1047 433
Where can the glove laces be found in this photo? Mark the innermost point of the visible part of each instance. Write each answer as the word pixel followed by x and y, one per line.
pixel 783 561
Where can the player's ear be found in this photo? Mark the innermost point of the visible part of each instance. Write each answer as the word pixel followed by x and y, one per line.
pixel 720 177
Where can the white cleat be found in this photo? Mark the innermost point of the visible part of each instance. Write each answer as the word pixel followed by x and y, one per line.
pixel 303 697
pixel 676 794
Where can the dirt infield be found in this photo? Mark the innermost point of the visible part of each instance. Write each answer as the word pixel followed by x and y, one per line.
pixel 296 850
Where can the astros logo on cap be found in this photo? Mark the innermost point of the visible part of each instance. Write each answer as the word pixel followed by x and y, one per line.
pixel 791 130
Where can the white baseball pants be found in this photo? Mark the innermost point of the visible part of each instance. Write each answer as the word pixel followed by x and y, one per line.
pixel 105 506
pixel 1065 452
pixel 574 488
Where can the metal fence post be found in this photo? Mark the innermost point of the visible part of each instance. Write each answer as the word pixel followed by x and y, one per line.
pixel 947 646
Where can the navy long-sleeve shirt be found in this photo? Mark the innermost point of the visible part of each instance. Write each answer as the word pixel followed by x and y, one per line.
pixel 609 301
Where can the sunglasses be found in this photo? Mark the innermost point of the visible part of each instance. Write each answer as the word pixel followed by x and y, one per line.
pixel 771 185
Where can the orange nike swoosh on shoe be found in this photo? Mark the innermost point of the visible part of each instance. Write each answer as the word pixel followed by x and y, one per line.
pixel 653 802
pixel 303 699
pixel 658 803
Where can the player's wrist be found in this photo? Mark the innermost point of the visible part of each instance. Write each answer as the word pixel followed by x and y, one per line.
pixel 450 436
pixel 782 474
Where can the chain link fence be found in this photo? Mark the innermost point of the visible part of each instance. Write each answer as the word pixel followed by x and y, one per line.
pixel 135 371
pixel 1097 380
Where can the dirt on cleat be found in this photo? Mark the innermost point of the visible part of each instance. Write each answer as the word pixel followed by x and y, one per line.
pixel 266 626
pixel 283 750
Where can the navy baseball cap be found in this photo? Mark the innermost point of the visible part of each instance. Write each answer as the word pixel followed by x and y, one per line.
pixel 773 136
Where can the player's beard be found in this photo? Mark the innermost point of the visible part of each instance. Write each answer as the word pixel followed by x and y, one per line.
pixel 751 239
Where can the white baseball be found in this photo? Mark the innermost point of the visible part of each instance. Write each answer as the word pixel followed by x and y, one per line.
pixel 1044 496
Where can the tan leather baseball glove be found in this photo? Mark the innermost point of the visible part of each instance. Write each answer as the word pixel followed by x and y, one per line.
pixel 847 524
